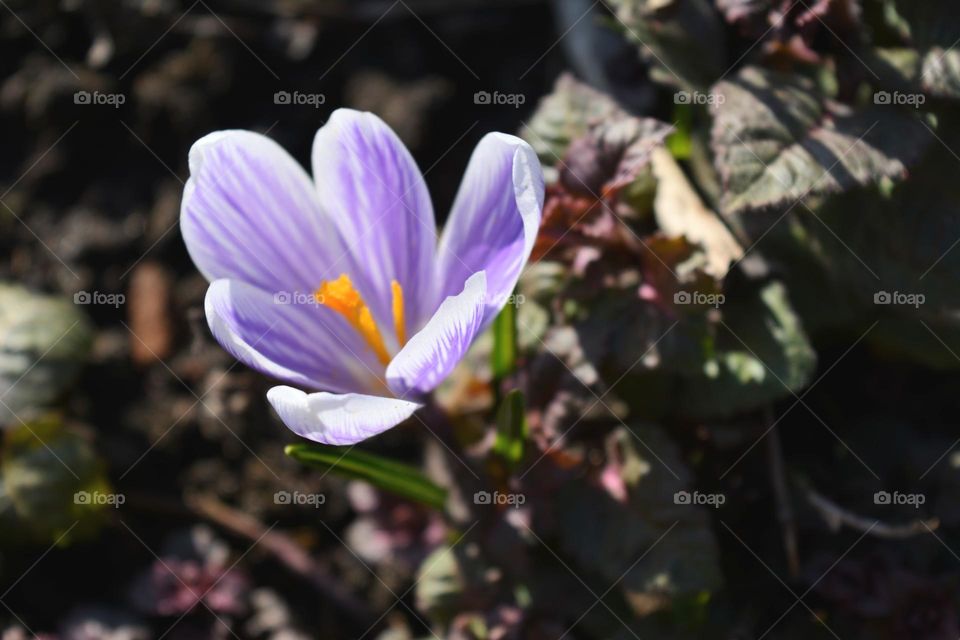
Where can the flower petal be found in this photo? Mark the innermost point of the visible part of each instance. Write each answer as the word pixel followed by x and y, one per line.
pixel 366 176
pixel 305 344
pixel 250 212
pixel 434 351
pixel 338 419
pixel 494 220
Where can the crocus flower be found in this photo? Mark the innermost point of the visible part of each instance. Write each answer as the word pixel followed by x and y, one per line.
pixel 338 285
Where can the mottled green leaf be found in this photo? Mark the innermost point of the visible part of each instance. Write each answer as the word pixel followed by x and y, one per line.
pixel 673 356
pixel 777 139
pixel 940 74
pixel 593 143
pixel 762 355
pixel 935 71
pixel 906 246
pixel 565 114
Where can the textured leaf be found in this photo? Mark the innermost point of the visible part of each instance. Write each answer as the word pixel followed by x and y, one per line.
pixel 565 114
pixel 907 245
pixel 941 72
pixel 43 343
pixel 686 363
pixel 931 30
pixel 935 71
pixel 395 477
pixel 763 354
pixel 776 139
pixel 619 304
pixel 611 155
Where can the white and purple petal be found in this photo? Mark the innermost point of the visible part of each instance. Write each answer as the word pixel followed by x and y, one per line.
pixel 338 419
pixel 494 220
pixel 369 181
pixel 251 213
pixel 435 350
pixel 304 344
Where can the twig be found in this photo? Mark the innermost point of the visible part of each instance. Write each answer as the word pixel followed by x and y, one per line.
pixel 782 496
pixel 836 516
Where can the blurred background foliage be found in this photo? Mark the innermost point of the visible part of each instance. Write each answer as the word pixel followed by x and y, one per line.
pixel 722 406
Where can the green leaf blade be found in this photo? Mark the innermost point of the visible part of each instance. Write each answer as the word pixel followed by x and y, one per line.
pixel 398 478
pixel 504 356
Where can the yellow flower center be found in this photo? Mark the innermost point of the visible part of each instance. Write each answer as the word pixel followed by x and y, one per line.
pixel 341 296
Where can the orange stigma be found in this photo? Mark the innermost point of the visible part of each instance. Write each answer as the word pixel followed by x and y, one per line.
pixel 399 321
pixel 341 296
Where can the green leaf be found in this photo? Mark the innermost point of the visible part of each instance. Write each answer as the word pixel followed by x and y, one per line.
pixel 935 30
pixel 935 71
pixel 566 114
pixel 503 359
pixel 776 139
pixel 511 428
pixel 941 72
pixel 590 144
pixel 386 474
pixel 838 263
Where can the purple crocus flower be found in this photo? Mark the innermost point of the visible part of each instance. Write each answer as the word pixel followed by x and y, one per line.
pixel 388 312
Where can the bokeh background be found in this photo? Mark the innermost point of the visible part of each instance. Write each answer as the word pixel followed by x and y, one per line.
pixel 732 153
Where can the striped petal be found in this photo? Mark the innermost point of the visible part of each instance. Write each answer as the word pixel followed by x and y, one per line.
pixel 305 344
pixel 435 350
pixel 367 178
pixel 338 419
pixel 251 213
pixel 494 220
